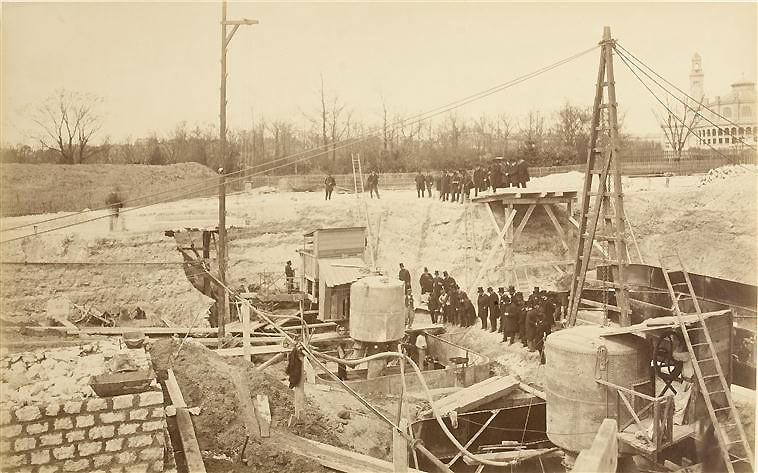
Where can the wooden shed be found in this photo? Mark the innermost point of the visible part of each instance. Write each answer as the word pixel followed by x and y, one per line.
pixel 332 259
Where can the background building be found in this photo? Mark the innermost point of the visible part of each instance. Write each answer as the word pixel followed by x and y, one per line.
pixel 733 118
pixel 731 122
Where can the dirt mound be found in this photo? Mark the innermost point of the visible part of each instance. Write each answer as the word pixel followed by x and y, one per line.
pixel 42 188
pixel 208 380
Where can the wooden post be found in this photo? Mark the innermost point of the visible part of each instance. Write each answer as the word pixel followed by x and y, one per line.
pixel 300 391
pixel 245 312
pixel 400 449
pixel 223 300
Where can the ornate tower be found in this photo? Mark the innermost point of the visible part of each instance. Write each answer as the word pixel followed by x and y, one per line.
pixel 697 90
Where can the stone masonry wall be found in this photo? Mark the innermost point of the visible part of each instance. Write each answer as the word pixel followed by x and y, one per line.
pixel 120 434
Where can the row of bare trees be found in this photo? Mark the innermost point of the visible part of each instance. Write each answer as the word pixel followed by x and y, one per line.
pixel 323 141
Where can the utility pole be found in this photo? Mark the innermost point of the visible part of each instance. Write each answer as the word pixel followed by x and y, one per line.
pixel 226 37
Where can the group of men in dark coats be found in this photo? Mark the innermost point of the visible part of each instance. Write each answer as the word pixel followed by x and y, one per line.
pixel 424 184
pixel 531 320
pixel 501 173
pixel 447 302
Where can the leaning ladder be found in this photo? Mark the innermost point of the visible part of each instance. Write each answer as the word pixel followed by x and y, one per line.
pixel 734 445
pixel 359 190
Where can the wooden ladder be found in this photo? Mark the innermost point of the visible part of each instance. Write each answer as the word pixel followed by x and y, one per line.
pixel 357 174
pixel 358 186
pixel 729 431
pixel 602 186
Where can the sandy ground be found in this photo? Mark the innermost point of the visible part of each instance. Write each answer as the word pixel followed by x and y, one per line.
pixel 713 226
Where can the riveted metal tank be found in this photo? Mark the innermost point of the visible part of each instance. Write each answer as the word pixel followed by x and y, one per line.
pixel 377 309
pixel 576 403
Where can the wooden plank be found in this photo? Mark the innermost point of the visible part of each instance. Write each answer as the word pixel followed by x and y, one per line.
pixel 531 390
pixel 190 446
pixel 602 456
pixel 476 395
pixel 659 323
pixel 274 359
pixel 263 414
pixel 244 310
pixel 64 322
pixel 174 393
pixel 511 455
pixel 343 460
pixel 260 350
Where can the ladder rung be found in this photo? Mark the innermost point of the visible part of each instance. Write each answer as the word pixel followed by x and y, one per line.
pixel 695 328
pixel 598 171
pixel 722 409
pixel 705 359
pixel 716 392
pixel 607 105
pixel 604 237
pixel 699 344
pixel 710 376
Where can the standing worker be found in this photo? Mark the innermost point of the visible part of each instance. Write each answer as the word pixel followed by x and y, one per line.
pixel 329 184
pixel 426 281
pixel 429 184
pixel 420 185
pixel 289 274
pixel 522 173
pixel 405 276
pixel 482 304
pixel 372 183
pixel 114 203
pixel 493 309
pixel 410 311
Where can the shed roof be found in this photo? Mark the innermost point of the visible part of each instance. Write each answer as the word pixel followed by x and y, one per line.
pixel 339 271
pixel 337 229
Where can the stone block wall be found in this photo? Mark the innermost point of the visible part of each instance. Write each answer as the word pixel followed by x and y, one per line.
pixel 121 434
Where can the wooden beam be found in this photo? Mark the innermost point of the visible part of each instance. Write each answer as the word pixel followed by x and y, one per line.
pixel 244 310
pixel 487 261
pixel 476 395
pixel 190 447
pixel 602 456
pixel 531 390
pixel 177 400
pixel 512 455
pixel 263 414
pixel 274 359
pixel 521 225
pixel 187 437
pixel 261 350
pixel 474 437
pixel 340 459
pixel 557 225
pixel 500 232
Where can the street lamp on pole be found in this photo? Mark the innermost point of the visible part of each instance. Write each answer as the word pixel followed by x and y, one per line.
pixel 226 37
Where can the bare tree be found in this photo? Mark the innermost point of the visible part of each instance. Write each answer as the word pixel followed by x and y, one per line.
pixel 532 131
pixel 68 121
pixel 677 128
pixel 504 130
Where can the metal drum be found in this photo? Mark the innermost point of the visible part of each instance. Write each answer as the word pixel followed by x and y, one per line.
pixel 377 309
pixel 576 403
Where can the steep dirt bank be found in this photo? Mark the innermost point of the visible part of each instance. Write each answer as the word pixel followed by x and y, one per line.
pixel 713 226
pixel 42 188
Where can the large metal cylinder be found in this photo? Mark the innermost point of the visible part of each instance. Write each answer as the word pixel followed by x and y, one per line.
pixel 576 403
pixel 377 309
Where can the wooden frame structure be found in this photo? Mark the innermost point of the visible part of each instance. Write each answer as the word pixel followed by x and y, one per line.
pixel 602 186
pixel 503 207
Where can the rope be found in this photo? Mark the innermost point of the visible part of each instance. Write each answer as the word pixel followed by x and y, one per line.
pixel 329 147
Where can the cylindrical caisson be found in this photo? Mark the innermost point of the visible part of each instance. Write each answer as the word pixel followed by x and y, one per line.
pixel 576 403
pixel 377 309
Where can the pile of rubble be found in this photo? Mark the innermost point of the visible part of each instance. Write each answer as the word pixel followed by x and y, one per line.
pixel 63 374
pixel 725 172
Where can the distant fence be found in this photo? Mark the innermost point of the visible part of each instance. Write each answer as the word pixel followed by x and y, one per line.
pixel 637 164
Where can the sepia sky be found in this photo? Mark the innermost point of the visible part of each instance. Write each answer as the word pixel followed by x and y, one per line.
pixel 156 64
